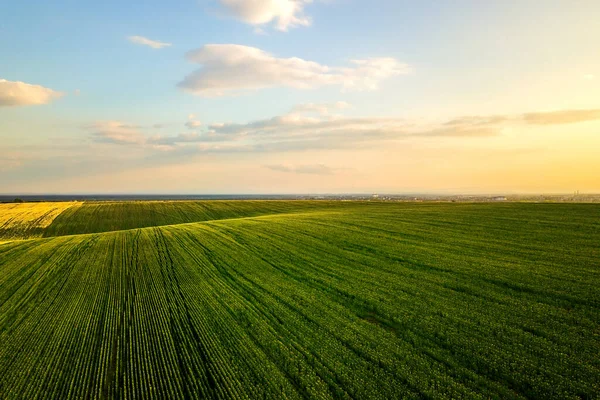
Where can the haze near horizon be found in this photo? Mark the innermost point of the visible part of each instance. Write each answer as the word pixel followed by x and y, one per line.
pixel 300 96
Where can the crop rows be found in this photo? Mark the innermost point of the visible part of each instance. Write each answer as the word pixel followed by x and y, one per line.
pixel 93 217
pixel 362 301
pixel 28 220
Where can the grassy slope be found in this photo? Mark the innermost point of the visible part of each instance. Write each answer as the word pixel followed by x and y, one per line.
pixel 95 217
pixel 29 220
pixel 368 301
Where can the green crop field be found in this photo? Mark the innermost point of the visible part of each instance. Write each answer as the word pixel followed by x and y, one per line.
pixel 94 217
pixel 277 299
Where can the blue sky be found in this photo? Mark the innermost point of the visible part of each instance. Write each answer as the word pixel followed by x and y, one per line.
pixel 299 113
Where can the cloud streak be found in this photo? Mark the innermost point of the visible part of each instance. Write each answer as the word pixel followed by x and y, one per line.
pixel 307 127
pixel 24 94
pixel 558 117
pixel 143 41
pixel 561 117
pixel 230 69
pixel 116 132
pixel 315 126
pixel 314 169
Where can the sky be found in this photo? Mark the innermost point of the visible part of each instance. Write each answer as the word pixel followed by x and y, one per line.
pixel 299 96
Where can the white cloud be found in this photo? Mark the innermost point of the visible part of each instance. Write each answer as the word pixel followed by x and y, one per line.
pixel 116 132
pixel 283 14
pixel 368 73
pixel 24 94
pixel 192 122
pixel 313 126
pixel 147 42
pixel 230 69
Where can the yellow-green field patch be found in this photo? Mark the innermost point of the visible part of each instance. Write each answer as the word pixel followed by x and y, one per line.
pixel 28 220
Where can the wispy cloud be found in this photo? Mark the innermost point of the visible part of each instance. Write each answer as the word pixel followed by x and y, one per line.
pixel 315 169
pixel 561 117
pixel 322 109
pixel 229 69
pixel 193 122
pixel 148 42
pixel 557 117
pixel 315 126
pixel 283 14
pixel 177 139
pixel 477 120
pixel 24 94
pixel 461 131
pixel 116 132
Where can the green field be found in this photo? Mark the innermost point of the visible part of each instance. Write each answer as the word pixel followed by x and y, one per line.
pixel 94 217
pixel 277 299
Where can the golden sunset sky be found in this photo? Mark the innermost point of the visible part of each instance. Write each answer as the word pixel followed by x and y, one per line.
pixel 284 96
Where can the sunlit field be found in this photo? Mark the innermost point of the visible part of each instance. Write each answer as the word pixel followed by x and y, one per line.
pixel 28 220
pixel 238 300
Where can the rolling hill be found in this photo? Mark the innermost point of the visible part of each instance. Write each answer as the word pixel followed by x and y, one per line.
pixel 277 299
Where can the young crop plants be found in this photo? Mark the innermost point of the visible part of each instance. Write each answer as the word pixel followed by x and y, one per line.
pixel 94 217
pixel 291 300
pixel 21 220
